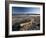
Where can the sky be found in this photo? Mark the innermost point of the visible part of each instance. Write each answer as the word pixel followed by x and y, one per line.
pixel 25 10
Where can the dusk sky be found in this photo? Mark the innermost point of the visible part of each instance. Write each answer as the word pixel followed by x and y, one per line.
pixel 25 10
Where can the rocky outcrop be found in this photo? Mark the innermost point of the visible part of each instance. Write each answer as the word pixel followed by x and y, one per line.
pixel 23 23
